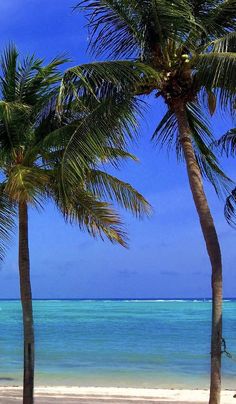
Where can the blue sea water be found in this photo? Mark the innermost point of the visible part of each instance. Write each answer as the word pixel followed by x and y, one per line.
pixel 135 343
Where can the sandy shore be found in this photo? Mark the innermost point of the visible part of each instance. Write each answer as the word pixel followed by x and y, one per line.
pixel 112 395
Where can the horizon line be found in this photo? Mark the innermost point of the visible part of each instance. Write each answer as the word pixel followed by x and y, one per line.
pixel 118 298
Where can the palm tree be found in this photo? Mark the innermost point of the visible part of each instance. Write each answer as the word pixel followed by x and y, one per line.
pixel 183 52
pixel 32 147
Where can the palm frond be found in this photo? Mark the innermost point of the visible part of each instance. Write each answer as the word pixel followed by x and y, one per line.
pixel 27 184
pixel 97 135
pixel 38 83
pixel 29 90
pixel 102 79
pixel 115 155
pixel 108 187
pixel 227 143
pixel 91 214
pixel 217 70
pixel 8 64
pixel 230 209
pixel 131 28
pixel 119 21
pixel 203 7
pixel 28 81
pixel 166 133
pixel 222 44
pixel 14 119
pixel 223 15
pixel 7 221
pixel 202 141
pixel 110 124
pixel 215 16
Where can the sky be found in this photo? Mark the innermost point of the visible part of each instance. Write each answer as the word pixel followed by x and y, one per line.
pixel 166 255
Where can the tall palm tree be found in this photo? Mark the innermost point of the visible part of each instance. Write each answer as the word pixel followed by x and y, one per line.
pixel 32 147
pixel 182 51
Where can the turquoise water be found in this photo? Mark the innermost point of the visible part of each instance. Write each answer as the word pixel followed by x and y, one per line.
pixel 117 343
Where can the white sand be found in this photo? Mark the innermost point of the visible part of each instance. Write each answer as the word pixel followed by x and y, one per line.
pixel 108 395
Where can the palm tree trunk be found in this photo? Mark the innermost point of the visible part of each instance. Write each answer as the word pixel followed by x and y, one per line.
pixel 213 249
pixel 26 302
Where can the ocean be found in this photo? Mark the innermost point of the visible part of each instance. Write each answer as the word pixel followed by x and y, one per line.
pixel 126 343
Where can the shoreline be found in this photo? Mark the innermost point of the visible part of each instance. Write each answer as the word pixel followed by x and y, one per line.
pixel 99 395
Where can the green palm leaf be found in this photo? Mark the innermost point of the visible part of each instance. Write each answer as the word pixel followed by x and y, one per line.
pixel 109 124
pixel 8 79
pixel 122 27
pixel 7 221
pixel 223 15
pixel 97 217
pixel 230 209
pixel 27 184
pixel 217 70
pixel 103 79
pixel 207 161
pixel 227 143
pixel 108 187
pixel 166 134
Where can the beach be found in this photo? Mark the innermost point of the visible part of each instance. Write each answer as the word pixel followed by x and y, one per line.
pixel 97 395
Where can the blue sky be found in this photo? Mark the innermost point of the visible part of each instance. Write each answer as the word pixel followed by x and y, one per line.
pixel 167 256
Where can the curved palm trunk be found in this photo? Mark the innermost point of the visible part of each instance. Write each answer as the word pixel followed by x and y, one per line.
pixel 213 249
pixel 26 302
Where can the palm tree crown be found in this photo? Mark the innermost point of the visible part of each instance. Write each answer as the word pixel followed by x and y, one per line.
pixel 182 50
pixel 33 141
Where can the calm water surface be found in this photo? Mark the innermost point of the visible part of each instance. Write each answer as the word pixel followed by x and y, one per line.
pixel 117 343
